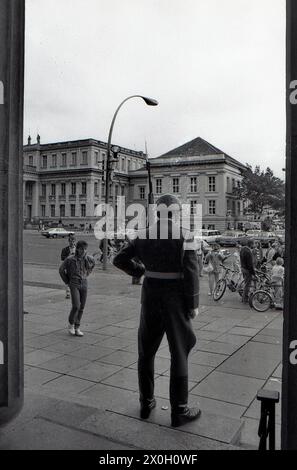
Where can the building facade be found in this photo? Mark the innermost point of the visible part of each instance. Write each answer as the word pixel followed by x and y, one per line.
pixel 197 173
pixel 65 181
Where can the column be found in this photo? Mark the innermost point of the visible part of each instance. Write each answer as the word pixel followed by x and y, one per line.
pixel 289 379
pixel 35 201
pixel 11 207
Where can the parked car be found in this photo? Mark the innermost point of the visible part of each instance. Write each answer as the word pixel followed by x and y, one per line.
pixel 56 232
pixel 210 236
pixel 231 238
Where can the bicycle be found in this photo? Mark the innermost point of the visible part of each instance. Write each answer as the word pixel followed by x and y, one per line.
pixel 225 282
pixel 266 298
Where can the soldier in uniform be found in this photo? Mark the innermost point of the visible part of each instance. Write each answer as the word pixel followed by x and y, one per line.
pixel 170 297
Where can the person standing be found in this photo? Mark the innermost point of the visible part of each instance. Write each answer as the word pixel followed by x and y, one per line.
pixel 200 255
pixel 169 301
pixel 74 272
pixel 258 255
pixel 213 260
pixel 247 268
pixel 68 251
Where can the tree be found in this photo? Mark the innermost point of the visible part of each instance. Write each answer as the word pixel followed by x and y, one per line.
pixel 261 188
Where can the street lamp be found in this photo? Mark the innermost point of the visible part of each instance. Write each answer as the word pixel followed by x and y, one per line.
pixel 149 102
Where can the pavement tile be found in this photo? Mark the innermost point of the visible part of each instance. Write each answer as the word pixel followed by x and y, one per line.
pixel 112 330
pixel 248 365
pixel 162 386
pixel 106 396
pixel 117 343
pixel 35 376
pixel 95 371
pixel 223 429
pixel 40 342
pixel 238 330
pixel 278 333
pixel 120 358
pixel 125 378
pixel 235 389
pixel 267 339
pixel 220 348
pixel 68 384
pixel 64 347
pixel 233 339
pixel 207 335
pixel 92 352
pixel 39 356
pixel 278 372
pixel 207 359
pixel 64 364
pixel 45 435
pixel 217 407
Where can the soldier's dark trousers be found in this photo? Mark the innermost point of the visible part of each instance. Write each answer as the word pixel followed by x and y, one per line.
pixel 163 311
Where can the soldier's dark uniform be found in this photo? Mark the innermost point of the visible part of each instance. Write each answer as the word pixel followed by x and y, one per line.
pixel 170 291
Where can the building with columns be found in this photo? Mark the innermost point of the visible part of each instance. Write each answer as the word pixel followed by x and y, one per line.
pixel 197 173
pixel 65 180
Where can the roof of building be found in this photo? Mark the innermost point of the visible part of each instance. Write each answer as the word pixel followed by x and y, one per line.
pixel 197 148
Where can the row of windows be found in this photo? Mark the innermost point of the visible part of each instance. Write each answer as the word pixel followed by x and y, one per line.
pixel 73 187
pixel 121 165
pixel 193 184
pixel 73 213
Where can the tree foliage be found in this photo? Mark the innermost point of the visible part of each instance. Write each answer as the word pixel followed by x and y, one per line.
pixel 261 188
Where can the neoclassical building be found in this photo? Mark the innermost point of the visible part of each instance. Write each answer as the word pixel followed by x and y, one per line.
pixel 197 173
pixel 65 181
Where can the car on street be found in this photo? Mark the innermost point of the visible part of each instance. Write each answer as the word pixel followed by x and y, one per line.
pixel 57 232
pixel 263 237
pixel 211 236
pixel 232 238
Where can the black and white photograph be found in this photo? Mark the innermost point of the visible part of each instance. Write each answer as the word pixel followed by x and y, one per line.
pixel 148 218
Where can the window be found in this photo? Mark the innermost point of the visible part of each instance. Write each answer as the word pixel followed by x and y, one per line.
pixel 194 184
pixel 97 157
pixel 141 192
pixel 212 207
pixel 72 210
pixel 73 189
pixel 43 190
pixel 84 160
pixel 233 208
pixel 54 161
pixel 211 227
pixel 64 159
pixel 228 184
pixel 211 183
pixel 30 160
pixel 53 190
pixel 44 161
pixel 122 190
pixel 123 164
pixel 83 210
pixel 103 190
pixel 159 186
pixel 42 211
pixel 238 208
pixel 62 210
pixel 176 185
pixel 193 207
pixel 233 184
pixel 63 190
pixel 73 158
pixel 53 211
pixel 96 189
pixel 84 188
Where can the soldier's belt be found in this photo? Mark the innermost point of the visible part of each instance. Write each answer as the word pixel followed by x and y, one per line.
pixel 158 275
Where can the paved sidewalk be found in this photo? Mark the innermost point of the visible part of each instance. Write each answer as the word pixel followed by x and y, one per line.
pixel 82 392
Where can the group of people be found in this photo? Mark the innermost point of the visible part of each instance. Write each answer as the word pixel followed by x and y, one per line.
pixel 246 260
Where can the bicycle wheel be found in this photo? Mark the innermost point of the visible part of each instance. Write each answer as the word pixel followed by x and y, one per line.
pixel 219 290
pixel 261 301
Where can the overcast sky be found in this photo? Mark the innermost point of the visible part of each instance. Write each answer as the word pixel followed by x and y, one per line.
pixel 217 68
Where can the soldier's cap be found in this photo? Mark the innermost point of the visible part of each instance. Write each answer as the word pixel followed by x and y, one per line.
pixel 168 200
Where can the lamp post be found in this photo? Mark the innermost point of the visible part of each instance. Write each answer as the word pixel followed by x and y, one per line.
pixel 149 102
